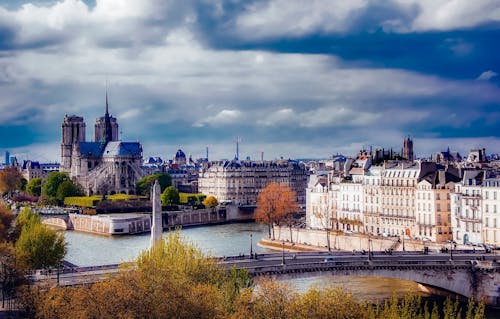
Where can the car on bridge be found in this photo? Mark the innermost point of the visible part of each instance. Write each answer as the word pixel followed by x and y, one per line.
pixel 329 260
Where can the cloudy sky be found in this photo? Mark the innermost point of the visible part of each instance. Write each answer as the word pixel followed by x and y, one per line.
pixel 291 78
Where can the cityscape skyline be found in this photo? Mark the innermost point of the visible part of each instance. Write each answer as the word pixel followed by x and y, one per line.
pixel 292 80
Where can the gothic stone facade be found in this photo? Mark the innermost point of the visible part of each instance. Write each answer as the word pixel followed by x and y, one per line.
pixel 105 166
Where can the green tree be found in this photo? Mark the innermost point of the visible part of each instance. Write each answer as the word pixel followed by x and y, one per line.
pixel 10 180
pixel 22 184
pixel 210 201
pixel 34 187
pixel 170 196
pixel 66 189
pixel 51 184
pixel 143 186
pixel 40 246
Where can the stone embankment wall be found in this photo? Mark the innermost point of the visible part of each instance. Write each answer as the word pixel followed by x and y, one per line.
pixel 317 240
pixel 193 217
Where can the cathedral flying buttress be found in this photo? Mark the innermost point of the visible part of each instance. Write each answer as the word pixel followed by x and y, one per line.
pixel 104 166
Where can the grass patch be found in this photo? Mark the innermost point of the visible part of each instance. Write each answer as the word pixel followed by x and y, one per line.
pixel 92 201
pixel 187 198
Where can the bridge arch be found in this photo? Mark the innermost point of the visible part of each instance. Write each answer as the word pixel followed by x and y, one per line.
pixel 466 280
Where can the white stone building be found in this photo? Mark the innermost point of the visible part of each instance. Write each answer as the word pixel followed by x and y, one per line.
pixel 466 208
pixel 491 211
pixel 240 182
pixel 317 203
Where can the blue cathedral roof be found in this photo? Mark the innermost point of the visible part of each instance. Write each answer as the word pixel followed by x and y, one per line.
pixel 116 148
pixel 123 149
pixel 90 149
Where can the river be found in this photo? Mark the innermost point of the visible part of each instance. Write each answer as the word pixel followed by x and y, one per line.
pixel 225 240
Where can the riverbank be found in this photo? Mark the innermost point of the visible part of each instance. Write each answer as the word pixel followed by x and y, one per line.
pixel 301 239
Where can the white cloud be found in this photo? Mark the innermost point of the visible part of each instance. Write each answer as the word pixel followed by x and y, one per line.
pixel 454 14
pixel 296 18
pixel 487 75
pixel 224 117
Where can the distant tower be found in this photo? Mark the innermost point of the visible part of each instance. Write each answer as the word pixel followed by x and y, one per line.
pixel 73 132
pixel 7 158
pixel 408 149
pixel 237 155
pixel 207 153
pixel 106 127
pixel 156 220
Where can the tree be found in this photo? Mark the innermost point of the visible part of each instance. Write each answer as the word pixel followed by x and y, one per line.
pixel 275 203
pixel 6 219
pixel 170 196
pixel 11 272
pixel 51 184
pixel 143 185
pixel 34 187
pixel 66 189
pixel 40 246
pixel 10 180
pixel 211 201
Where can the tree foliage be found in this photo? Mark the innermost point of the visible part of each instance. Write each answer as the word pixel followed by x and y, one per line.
pixel 6 219
pixel 12 273
pixel 211 201
pixel 67 189
pixel 170 196
pixel 143 186
pixel 275 204
pixel 173 280
pixel 51 184
pixel 10 180
pixel 34 187
pixel 40 246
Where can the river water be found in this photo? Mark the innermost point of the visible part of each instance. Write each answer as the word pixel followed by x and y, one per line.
pixel 221 240
pixel 225 240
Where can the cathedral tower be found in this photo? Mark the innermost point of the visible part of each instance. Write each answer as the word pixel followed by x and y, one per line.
pixel 408 149
pixel 73 132
pixel 106 127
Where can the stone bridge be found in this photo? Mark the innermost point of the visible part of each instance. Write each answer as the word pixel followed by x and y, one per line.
pixel 59 221
pixel 469 278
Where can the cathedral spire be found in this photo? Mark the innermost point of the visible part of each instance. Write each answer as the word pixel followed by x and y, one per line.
pixel 107 109
pixel 108 132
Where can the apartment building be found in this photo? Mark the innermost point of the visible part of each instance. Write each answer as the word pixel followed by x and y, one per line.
pixel 240 182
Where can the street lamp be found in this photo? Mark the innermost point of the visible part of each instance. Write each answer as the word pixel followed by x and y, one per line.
pixel 451 249
pixel 251 246
pixel 369 244
pixel 283 252
pixel 404 240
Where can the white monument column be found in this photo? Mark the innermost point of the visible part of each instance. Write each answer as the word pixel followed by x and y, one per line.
pixel 156 223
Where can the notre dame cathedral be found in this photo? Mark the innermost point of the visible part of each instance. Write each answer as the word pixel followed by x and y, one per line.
pixel 105 166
